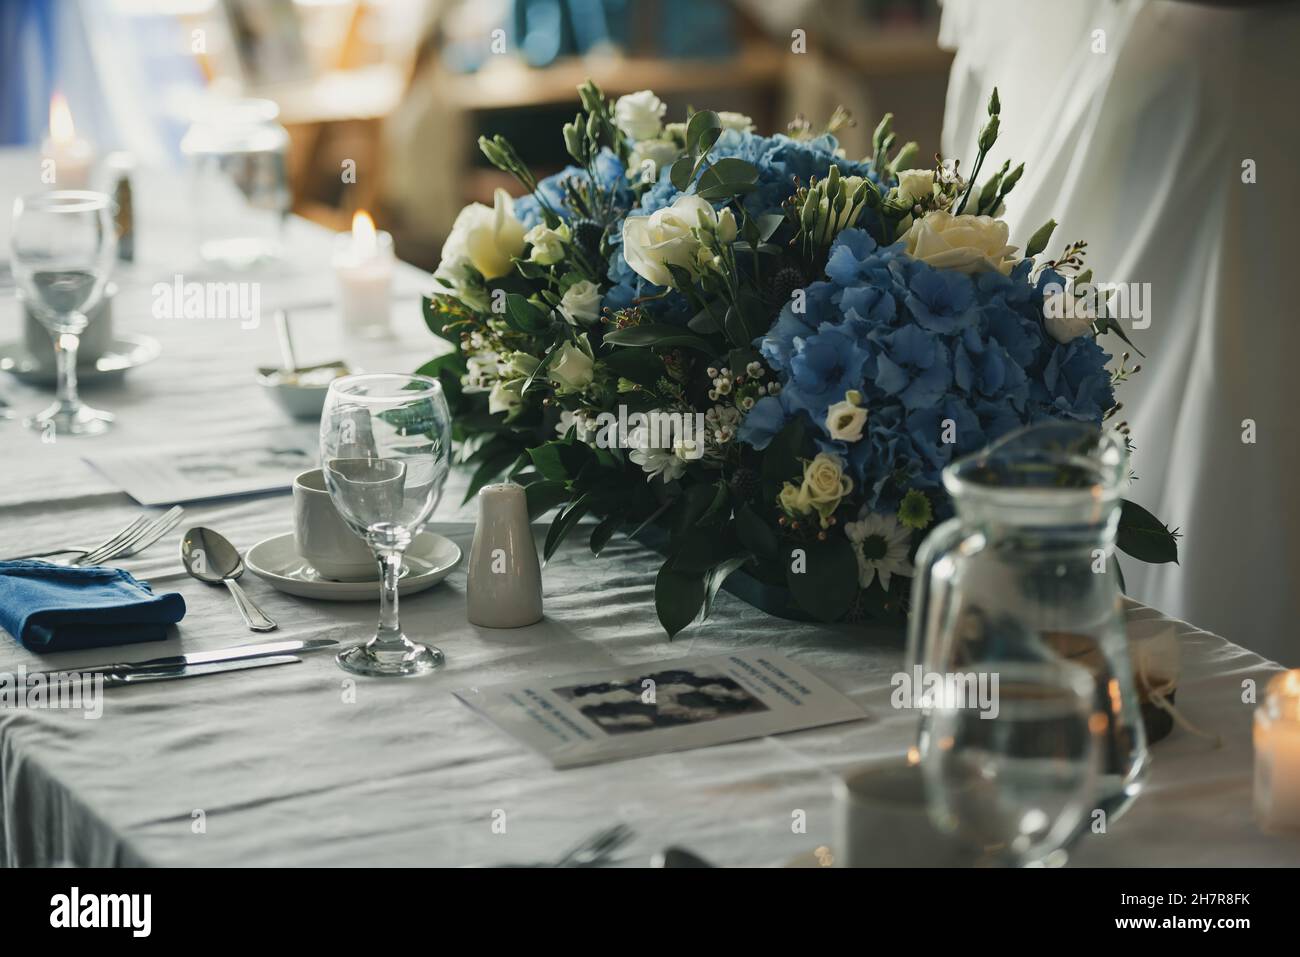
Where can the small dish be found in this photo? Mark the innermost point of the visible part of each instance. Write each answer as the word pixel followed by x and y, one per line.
pixel 125 351
pixel 301 392
pixel 275 560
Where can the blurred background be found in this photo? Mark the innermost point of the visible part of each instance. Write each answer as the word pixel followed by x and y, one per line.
pixel 383 100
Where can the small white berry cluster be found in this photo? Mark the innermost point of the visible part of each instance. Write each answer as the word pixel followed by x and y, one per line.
pixel 745 386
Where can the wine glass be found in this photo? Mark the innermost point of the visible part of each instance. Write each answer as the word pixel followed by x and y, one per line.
pixel 1015 780
pixel 385 448
pixel 64 243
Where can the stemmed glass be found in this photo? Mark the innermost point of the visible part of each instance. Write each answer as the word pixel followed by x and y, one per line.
pixel 385 448
pixel 1016 781
pixel 63 248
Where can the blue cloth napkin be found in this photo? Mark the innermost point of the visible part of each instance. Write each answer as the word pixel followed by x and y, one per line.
pixel 55 608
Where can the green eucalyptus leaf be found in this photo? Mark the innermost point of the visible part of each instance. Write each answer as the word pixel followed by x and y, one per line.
pixel 824 580
pixel 678 599
pixel 657 334
pixel 543 496
pixel 1144 536
pixel 563 524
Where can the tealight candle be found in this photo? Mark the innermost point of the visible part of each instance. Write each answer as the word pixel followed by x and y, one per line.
pixel 1277 754
pixel 363 263
pixel 72 157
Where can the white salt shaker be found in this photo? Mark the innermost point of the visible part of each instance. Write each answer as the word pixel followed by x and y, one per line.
pixel 505 580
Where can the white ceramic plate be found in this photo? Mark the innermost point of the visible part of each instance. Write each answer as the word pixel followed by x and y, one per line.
pixel 126 351
pixel 276 561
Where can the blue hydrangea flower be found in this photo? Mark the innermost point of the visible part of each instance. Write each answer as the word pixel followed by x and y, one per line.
pixel 611 175
pixel 782 163
pixel 945 362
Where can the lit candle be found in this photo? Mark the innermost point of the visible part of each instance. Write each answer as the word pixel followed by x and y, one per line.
pixel 363 262
pixel 71 158
pixel 1277 754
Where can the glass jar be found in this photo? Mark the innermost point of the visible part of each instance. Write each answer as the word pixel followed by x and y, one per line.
pixel 238 154
pixel 1024 573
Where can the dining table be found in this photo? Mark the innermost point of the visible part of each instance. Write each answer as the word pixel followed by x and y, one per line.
pixel 307 765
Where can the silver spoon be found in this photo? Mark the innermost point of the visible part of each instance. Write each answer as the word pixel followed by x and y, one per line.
pixel 210 558
pixel 288 361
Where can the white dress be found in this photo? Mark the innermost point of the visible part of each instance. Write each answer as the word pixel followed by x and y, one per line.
pixel 1139 150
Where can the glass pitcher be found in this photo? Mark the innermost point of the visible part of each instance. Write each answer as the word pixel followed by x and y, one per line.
pixel 237 151
pixel 1024 572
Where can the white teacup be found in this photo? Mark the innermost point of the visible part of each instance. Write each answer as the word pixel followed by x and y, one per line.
pixel 324 540
pixel 881 820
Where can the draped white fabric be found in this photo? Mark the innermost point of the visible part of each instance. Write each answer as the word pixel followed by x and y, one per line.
pixel 1139 150
pixel 284 767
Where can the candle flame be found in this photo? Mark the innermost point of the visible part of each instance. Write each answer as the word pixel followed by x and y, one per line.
pixel 61 128
pixel 363 232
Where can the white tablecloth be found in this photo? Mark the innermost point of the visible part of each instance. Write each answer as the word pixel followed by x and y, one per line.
pixel 280 767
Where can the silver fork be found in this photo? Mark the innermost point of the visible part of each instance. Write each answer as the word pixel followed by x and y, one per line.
pixel 135 542
pixel 596 849
pixel 135 537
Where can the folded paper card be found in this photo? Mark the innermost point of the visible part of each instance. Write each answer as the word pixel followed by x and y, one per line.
pixel 52 608
pixel 661 706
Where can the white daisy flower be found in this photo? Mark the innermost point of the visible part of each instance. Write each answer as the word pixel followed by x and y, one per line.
pixel 881 545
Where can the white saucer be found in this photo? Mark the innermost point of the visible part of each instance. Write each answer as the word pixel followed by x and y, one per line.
pixel 275 560
pixel 126 351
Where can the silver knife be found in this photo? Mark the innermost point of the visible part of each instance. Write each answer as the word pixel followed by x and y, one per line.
pixel 259 649
pixel 195 671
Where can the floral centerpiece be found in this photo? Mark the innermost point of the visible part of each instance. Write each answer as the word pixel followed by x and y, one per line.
pixel 758 348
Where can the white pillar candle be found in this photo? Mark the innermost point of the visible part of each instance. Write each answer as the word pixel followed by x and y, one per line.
pixel 1277 754
pixel 363 263
pixel 67 159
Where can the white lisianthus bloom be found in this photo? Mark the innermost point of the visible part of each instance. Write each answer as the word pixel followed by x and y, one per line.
pixel 916 184
pixel 736 121
pixel 580 304
pixel 519 364
pixel 639 115
pixel 482 371
pixel 968 244
pixel 726 226
pixel 667 463
pixel 845 420
pixel 572 368
pixel 651 243
pixel 1065 315
pixel 504 397
pixel 881 544
pixel 548 244
pixel 650 156
pixel 487 239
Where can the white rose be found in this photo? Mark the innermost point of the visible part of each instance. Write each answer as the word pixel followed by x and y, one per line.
pixel 504 397
pixel 916 184
pixel 487 239
pixel 736 121
pixel 580 303
pixel 965 243
pixel 650 156
pixel 1065 315
pixel 639 115
pixel 548 244
pixel 572 367
pixel 845 420
pixel 651 243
